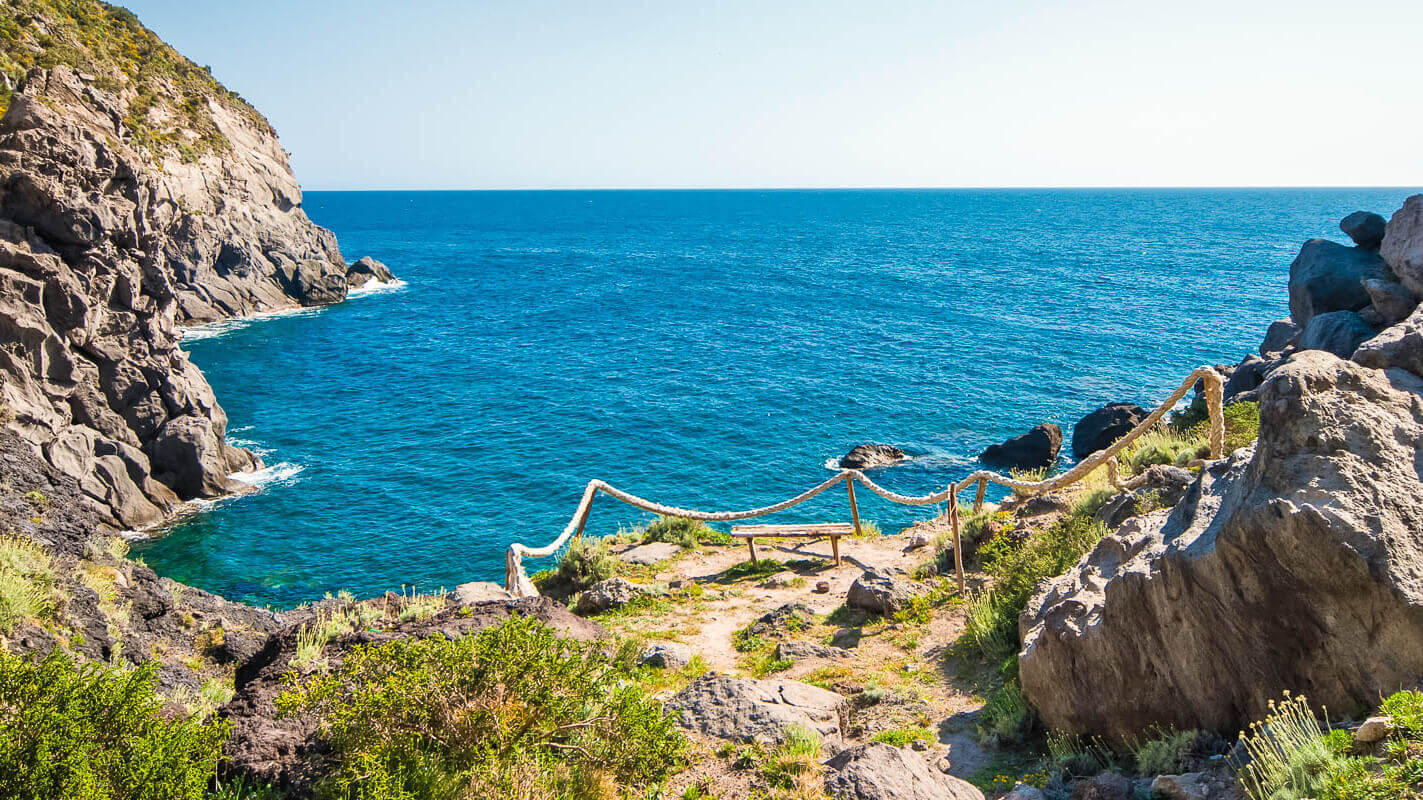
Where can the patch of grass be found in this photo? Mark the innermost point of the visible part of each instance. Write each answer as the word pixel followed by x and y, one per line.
pixel 795 763
pixel 1006 719
pixel 903 737
pixel 989 625
pixel 26 582
pixel 1160 446
pixel 326 627
pixel 420 606
pixel 746 570
pixel 98 733
pixel 1071 755
pixel 512 711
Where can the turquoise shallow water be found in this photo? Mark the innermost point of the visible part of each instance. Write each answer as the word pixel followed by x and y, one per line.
pixel 707 349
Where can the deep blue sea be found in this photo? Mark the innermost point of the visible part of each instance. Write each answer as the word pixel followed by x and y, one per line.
pixel 711 349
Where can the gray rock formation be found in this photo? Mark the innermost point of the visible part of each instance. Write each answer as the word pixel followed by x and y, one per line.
pixel 865 456
pixel 800 650
pixel 1098 430
pixel 1036 448
pixel 1390 299
pixel 1162 486
pixel 880 593
pixel 367 269
pixel 608 594
pixel 1293 565
pixel 878 771
pixel 1327 276
pixel 666 655
pixel 650 553
pixel 1400 346
pixel 745 710
pixel 1337 332
pixel 1365 228
pixel 1245 377
pixel 1402 246
pixel 1278 336
pixel 106 247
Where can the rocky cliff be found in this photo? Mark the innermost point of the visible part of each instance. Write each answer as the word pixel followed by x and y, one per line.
pixel 137 195
pixel 1293 565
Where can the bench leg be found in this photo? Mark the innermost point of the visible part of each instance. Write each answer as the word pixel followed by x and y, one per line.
pixel 835 548
pixel 751 545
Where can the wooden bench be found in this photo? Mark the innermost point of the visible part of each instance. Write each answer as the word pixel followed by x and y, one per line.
pixel 831 530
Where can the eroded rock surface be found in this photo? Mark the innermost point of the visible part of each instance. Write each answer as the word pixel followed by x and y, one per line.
pixel 878 771
pixel 106 248
pixel 745 710
pixel 1294 565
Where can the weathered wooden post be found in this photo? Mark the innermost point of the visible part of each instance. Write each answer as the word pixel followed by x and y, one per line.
pixel 958 544
pixel 854 509
pixel 978 496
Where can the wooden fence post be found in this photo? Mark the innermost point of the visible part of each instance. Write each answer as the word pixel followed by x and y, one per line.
pixel 854 509
pixel 958 544
pixel 978 496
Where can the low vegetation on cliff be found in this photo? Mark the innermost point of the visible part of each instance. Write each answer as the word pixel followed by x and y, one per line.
pixel 166 94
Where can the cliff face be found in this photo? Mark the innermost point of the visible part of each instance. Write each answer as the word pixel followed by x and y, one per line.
pixel 134 200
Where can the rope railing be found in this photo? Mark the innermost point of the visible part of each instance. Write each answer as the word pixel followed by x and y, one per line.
pixel 518 583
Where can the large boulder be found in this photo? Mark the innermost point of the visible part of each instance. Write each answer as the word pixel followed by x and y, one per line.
pixel 865 456
pixel 1292 565
pixel 1327 276
pixel 1390 299
pixel 1278 336
pixel 1399 346
pixel 1036 448
pixel 878 771
pixel 608 594
pixel 1098 430
pixel 1158 486
pixel 880 592
pixel 367 269
pixel 1365 228
pixel 1402 246
pixel 1245 377
pixel 1337 332
pixel 745 710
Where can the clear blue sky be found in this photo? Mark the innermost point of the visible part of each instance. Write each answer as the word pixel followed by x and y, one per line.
pixel 606 93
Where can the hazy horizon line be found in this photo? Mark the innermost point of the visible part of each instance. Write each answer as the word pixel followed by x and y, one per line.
pixel 1024 187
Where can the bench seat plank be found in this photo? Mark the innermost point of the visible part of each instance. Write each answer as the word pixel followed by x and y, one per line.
pixel 832 530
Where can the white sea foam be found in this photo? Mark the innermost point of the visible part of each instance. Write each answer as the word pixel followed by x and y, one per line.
pixel 212 330
pixel 283 473
pixel 376 286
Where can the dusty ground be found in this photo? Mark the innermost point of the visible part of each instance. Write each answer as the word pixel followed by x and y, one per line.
pixel 909 659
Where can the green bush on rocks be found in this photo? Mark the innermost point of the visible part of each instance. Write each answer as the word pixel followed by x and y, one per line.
pixel 97 733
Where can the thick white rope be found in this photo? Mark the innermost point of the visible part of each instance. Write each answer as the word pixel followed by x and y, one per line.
pixel 518 583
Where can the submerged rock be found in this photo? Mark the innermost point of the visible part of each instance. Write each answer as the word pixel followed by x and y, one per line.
pixel 1036 448
pixel 1292 565
pixel 865 456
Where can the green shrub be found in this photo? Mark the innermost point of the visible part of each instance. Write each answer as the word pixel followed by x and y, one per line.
pixel 26 582
pixel 1166 754
pixel 1160 446
pixel 1006 718
pixel 585 562
pixel 1070 754
pixel 95 733
pixel 682 531
pixel 794 760
pixel 514 710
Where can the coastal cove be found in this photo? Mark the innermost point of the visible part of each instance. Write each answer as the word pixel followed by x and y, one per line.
pixel 707 349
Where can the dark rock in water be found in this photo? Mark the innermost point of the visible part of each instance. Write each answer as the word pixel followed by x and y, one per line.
pixel 1402 246
pixel 1397 347
pixel 877 771
pixel 1098 430
pixel 367 269
pixel 1278 336
pixel 1365 228
pixel 1337 332
pixel 1291 564
pixel 188 456
pixel 864 456
pixel 1327 276
pixel 1391 299
pixel 1036 448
